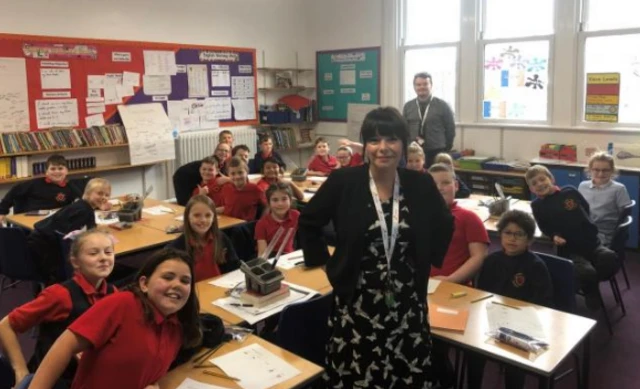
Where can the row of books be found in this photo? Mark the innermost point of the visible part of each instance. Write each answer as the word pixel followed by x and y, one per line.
pixel 289 138
pixel 19 167
pixel 65 138
pixel 40 168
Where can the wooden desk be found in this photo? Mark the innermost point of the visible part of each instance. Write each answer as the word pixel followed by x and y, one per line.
pixel 308 370
pixel 490 223
pixel 565 332
pixel 138 238
pixel 161 222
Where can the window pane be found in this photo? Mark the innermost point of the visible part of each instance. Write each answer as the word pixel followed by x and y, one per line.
pixel 518 18
pixel 441 64
pixel 432 21
pixel 515 80
pixel 612 14
pixel 618 54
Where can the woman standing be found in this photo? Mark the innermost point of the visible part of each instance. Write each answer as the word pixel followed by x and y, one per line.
pixel 391 225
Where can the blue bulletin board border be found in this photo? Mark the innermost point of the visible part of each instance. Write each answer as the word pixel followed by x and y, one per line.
pixel 338 113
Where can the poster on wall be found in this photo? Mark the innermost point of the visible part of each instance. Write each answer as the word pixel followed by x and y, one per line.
pixel 344 77
pixel 603 97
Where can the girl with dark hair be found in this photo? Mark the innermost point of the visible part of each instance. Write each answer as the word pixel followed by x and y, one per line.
pixel 129 339
pixel 280 214
pixel 391 226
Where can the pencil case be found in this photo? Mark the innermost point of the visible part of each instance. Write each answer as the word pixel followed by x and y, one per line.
pixel 518 340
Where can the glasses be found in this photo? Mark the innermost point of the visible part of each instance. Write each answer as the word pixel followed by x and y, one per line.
pixel 602 171
pixel 512 234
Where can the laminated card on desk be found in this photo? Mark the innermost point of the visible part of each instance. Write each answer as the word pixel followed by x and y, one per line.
pixel 433 285
pixel 188 383
pixel 524 320
pixel 257 367
pixel 442 318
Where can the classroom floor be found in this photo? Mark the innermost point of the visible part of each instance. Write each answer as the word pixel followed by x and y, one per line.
pixel 614 360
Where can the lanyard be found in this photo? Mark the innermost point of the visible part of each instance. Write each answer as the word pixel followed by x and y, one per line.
pixel 388 241
pixel 426 111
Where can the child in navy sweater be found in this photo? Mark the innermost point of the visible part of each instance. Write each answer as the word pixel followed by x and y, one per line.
pixel 266 151
pixel 513 272
pixel 563 216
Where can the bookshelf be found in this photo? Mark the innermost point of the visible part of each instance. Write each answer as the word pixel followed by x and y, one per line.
pixel 62 150
pixel 9 181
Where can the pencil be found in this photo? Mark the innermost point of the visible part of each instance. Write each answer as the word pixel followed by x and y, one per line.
pixel 506 305
pixel 214 374
pixel 481 298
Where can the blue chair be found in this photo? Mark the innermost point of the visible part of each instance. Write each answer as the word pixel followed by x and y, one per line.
pixel 561 271
pixel 304 329
pixel 15 259
pixel 7 376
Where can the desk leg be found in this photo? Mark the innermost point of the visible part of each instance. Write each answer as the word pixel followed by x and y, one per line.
pixel 586 361
pixel 545 382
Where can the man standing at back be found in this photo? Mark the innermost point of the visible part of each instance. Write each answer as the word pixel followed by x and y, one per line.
pixel 431 122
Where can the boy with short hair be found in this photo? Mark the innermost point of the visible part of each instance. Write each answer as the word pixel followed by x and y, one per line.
pixel 513 272
pixel 266 151
pixel 463 190
pixel 563 216
pixel 49 192
pixel 212 181
pixel 243 152
pixel 226 136
pixel 241 198
pixel 322 163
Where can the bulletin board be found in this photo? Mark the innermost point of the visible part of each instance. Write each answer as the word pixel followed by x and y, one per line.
pixel 75 82
pixel 346 76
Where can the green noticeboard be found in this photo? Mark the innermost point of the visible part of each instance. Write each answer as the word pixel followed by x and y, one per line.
pixel 346 76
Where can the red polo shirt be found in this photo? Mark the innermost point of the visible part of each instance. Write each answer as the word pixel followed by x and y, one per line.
pixel 264 184
pixel 242 203
pixel 215 190
pixel 318 164
pixel 267 227
pixel 205 264
pixel 468 229
pixel 53 304
pixel 128 352
pixel 356 160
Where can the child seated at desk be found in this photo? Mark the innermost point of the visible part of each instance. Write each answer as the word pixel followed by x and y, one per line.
pixel 241 198
pixel 266 151
pixel 129 339
pixel 280 214
pixel 463 191
pixel 415 158
pixel 222 154
pixel 272 174
pixel 241 151
pixel 513 272
pixel 212 251
pixel 606 197
pixel 349 153
pixel 57 306
pixel 226 136
pixel 563 216
pixel 44 243
pixel 212 180
pixel 323 163
pixel 50 192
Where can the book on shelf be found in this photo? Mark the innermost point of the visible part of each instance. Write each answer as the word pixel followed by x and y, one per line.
pixel 62 138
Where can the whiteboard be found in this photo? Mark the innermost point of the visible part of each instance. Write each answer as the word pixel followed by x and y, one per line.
pixel 149 131
pixel 14 106
pixel 355 117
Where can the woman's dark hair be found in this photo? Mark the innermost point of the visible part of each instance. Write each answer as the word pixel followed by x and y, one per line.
pixel 193 242
pixel 519 218
pixel 385 121
pixel 188 316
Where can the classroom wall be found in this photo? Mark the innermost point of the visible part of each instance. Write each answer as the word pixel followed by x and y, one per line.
pixel 276 28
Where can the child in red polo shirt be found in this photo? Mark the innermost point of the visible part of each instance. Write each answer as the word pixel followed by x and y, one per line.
pixel 323 163
pixel 212 181
pixel 241 198
pixel 280 215
pixel 272 174
pixel 129 340
pixel 415 158
pixel 59 305
pixel 212 251
pixel 349 153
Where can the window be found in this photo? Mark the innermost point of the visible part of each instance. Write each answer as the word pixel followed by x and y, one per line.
pixel 516 47
pixel 611 14
pixel 431 44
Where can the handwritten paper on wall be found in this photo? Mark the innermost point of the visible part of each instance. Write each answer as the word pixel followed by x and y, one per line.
pixel 198 80
pixel 245 109
pixel 14 105
pixel 159 63
pixel 55 78
pixel 220 76
pixel 149 132
pixel 156 85
pixel 53 113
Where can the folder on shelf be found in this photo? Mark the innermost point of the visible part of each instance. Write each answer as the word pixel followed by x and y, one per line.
pixel 444 318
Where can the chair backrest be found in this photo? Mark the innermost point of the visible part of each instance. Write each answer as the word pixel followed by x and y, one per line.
pixel 620 235
pixel 7 377
pixel 304 329
pixel 66 271
pixel 15 260
pixel 626 211
pixel 561 271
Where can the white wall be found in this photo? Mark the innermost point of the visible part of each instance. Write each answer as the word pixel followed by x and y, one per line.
pixel 276 28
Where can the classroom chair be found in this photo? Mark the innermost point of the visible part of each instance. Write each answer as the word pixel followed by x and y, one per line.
pixel 66 270
pixel 304 329
pixel 7 377
pixel 561 272
pixel 15 260
pixel 619 245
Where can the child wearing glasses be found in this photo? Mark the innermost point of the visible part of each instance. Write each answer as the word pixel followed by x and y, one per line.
pixel 514 272
pixel 606 197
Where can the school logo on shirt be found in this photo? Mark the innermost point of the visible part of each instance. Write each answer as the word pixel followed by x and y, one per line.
pixel 60 197
pixel 518 280
pixel 570 204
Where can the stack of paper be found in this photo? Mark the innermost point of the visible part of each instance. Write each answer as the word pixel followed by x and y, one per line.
pixel 158 210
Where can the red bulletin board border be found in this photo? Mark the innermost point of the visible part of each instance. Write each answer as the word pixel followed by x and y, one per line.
pixel 11 47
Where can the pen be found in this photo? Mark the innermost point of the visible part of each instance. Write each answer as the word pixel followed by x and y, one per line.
pixel 481 298
pixel 506 305
pixel 214 374
pixel 240 305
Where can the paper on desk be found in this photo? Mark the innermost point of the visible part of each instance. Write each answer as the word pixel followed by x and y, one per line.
pixel 158 210
pixel 433 285
pixel 317 179
pixel 266 369
pixel 524 320
pixel 188 383
pixel 288 261
pixel 179 218
pixel 308 196
pixel 252 315
pixel 229 280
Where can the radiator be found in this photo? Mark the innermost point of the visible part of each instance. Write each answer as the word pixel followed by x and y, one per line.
pixel 192 146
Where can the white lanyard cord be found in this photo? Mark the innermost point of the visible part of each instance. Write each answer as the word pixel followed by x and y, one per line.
pixel 388 241
pixel 423 118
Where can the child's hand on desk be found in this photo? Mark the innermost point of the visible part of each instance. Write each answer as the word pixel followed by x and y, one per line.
pixel 203 190
pixel 559 241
